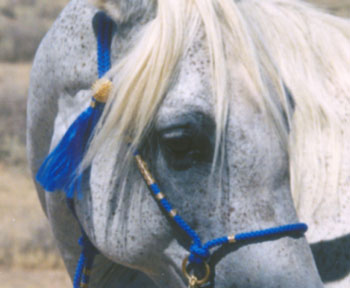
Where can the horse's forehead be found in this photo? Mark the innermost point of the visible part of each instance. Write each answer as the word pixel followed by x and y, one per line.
pixel 190 89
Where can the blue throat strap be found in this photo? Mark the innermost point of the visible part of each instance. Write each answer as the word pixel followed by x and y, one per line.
pixel 59 171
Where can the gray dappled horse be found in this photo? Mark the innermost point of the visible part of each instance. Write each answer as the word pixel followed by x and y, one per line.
pixel 201 88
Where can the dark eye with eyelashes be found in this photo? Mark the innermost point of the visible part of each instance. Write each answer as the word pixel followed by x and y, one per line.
pixel 178 145
pixel 184 147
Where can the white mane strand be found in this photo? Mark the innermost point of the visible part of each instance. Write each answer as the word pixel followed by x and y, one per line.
pixel 276 42
pixel 312 52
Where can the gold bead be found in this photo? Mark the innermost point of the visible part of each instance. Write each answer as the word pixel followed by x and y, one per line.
pixel 231 239
pixel 172 213
pixel 160 196
pixel 146 174
pixel 101 90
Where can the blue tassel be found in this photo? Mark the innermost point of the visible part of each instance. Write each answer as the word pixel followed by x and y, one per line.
pixel 59 170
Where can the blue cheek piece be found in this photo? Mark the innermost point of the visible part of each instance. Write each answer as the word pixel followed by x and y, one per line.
pixel 60 169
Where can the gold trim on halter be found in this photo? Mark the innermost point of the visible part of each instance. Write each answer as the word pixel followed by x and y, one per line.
pixel 231 239
pixel 172 213
pixel 160 196
pixel 101 90
pixel 144 170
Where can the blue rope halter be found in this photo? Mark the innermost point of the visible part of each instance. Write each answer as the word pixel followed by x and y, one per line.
pixel 71 150
pixel 199 252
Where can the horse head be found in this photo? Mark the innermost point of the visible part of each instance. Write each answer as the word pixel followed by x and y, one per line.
pixel 209 114
pixel 200 92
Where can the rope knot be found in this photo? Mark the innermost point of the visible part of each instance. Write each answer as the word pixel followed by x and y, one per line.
pixel 198 254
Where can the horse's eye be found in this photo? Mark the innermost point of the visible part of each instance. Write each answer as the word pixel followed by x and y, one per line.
pixel 182 148
pixel 179 146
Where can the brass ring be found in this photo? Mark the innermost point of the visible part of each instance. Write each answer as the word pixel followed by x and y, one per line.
pixel 199 282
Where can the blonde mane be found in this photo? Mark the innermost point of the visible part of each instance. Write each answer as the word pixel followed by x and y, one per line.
pixel 277 42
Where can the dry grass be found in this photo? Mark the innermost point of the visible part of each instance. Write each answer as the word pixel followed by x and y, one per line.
pixel 14 81
pixel 26 242
pixel 22 24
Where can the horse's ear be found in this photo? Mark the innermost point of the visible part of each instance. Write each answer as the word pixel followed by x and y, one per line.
pixel 125 10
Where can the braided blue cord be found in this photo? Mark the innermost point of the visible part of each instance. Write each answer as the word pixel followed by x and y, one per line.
pixel 104 39
pixel 178 219
pixel 216 242
pixel 201 252
pixel 189 231
pixel 298 227
pixel 79 269
pixel 86 259
pixel 85 279
pixel 166 205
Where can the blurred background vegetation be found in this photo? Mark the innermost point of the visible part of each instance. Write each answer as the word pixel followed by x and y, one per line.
pixel 28 257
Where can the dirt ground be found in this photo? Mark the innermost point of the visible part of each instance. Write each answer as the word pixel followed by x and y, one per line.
pixel 28 257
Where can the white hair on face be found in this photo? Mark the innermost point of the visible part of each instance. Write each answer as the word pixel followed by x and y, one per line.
pixel 273 40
